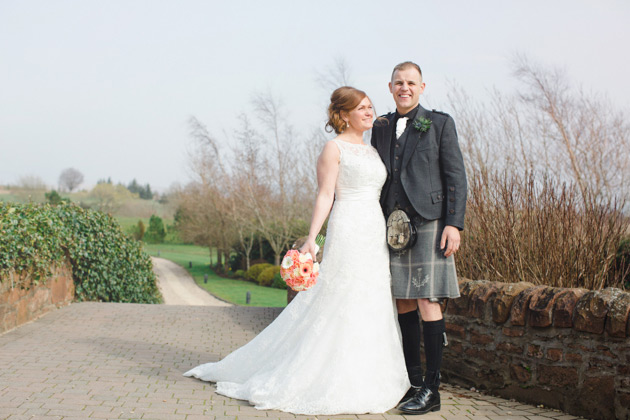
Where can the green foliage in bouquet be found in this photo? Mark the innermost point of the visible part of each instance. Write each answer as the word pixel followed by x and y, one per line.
pixel 265 278
pixel 107 265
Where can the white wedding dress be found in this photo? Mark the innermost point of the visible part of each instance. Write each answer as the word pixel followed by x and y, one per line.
pixel 335 348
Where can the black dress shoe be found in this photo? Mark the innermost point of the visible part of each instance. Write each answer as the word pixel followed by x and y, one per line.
pixel 408 395
pixel 424 401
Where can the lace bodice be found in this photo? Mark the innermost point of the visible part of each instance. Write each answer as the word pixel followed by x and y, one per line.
pixel 361 172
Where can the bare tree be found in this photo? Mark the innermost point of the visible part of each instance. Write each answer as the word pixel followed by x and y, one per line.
pixel 548 127
pixel 248 166
pixel 261 188
pixel 281 213
pixel 588 137
pixel 108 197
pixel 337 75
pixel 548 171
pixel 70 179
pixel 204 203
pixel 31 182
pixel 204 219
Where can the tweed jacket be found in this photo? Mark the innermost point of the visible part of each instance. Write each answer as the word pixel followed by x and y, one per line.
pixel 432 173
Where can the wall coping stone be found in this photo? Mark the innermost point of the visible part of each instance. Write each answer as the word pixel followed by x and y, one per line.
pixel 561 347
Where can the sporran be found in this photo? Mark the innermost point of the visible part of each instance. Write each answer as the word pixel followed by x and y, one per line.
pixel 401 232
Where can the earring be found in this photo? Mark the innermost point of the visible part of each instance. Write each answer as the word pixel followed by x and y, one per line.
pixel 347 124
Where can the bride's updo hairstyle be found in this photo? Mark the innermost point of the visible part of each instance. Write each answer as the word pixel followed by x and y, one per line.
pixel 344 99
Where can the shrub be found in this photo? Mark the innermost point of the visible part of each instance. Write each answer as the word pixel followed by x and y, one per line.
pixel 155 233
pixel 527 228
pixel 265 278
pixel 107 265
pixel 255 270
pixel 137 231
pixel 172 235
pixel 278 283
pixel 236 261
pixel 54 198
pixel 239 274
pixel 622 262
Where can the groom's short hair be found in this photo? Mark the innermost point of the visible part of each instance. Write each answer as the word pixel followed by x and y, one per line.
pixel 406 65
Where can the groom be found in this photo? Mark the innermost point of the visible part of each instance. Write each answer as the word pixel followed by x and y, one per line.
pixel 426 179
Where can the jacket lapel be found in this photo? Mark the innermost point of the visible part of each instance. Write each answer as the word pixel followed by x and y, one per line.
pixel 413 137
pixel 386 143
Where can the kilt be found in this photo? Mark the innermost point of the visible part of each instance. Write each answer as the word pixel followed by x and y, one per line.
pixel 422 271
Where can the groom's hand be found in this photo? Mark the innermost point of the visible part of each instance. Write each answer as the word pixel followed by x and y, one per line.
pixel 450 240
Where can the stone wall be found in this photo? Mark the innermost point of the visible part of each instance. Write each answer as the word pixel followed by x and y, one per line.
pixel 564 348
pixel 19 305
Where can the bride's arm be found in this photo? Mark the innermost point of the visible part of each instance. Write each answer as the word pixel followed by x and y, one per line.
pixel 327 170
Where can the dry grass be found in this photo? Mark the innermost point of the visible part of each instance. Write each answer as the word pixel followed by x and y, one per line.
pixel 519 228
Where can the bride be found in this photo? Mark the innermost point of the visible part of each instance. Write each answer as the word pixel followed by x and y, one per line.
pixel 336 347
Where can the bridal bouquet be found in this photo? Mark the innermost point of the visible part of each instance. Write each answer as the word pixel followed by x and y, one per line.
pixel 299 271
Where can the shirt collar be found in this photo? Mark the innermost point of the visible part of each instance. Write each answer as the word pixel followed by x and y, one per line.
pixel 411 114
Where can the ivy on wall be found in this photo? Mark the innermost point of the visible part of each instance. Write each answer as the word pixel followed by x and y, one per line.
pixel 106 265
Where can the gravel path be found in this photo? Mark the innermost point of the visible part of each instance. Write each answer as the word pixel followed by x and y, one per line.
pixel 179 288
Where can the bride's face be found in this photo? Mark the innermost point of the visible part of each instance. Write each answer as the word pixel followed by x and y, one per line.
pixel 362 117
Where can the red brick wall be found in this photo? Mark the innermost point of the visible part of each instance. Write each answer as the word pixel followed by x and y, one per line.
pixel 564 348
pixel 19 305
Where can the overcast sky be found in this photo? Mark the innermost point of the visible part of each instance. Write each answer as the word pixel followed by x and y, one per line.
pixel 107 87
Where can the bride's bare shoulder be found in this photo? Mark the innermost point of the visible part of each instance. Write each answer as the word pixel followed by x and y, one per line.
pixel 331 151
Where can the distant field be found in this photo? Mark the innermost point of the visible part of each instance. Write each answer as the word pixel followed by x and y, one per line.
pixel 22 196
pixel 127 222
pixel 230 290
pixel 129 209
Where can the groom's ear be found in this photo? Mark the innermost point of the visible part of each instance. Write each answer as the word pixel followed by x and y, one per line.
pixel 390 87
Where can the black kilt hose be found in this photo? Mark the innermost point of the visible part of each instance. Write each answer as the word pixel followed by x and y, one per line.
pixel 422 271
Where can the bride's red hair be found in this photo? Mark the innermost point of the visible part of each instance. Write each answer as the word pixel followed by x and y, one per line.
pixel 343 99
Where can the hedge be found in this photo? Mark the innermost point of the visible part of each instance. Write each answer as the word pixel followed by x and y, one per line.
pixel 107 265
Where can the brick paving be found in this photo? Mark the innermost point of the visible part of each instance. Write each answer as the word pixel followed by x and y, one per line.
pixel 124 361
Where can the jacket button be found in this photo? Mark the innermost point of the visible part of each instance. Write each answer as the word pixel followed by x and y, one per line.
pixel 451 188
pixel 452 199
pixel 451 211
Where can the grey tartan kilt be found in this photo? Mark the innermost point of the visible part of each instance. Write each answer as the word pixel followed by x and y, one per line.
pixel 422 271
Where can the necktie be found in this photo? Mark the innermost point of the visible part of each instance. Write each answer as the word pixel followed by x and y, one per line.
pixel 401 124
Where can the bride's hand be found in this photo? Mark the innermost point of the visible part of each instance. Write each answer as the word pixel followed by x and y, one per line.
pixel 309 246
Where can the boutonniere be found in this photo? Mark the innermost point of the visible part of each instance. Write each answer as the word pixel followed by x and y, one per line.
pixel 422 124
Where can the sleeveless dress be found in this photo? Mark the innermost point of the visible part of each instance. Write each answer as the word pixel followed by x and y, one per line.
pixel 335 348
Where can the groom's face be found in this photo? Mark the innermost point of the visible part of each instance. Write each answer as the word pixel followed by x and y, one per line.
pixel 406 87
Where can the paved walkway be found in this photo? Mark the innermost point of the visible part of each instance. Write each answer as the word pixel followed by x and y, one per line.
pixel 179 288
pixel 124 361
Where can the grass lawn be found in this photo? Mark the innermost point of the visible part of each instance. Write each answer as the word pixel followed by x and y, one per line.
pixel 230 290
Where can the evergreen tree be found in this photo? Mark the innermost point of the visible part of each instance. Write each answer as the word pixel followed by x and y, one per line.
pixel 156 232
pixel 54 198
